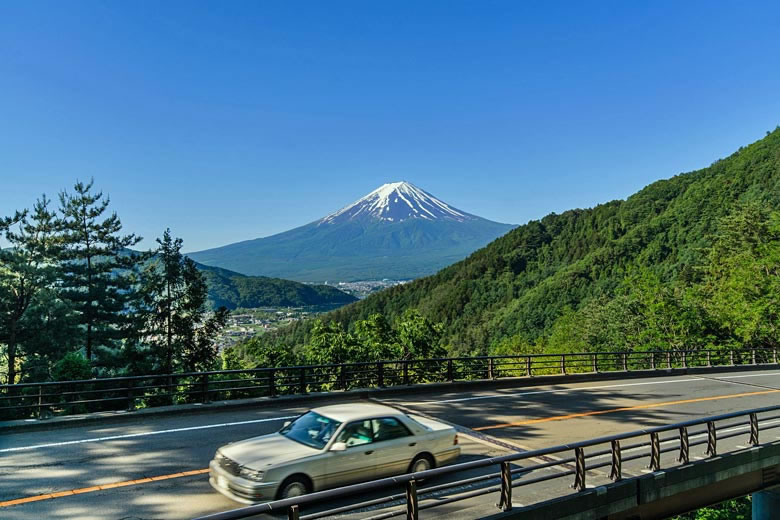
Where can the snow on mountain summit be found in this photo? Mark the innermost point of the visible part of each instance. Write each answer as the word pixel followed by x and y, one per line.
pixel 396 202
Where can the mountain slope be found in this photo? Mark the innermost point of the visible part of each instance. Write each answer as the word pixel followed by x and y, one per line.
pixel 397 231
pixel 519 285
pixel 233 290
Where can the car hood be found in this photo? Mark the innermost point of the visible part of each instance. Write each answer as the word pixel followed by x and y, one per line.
pixel 267 450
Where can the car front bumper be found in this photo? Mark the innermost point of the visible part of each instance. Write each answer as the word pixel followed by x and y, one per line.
pixel 240 489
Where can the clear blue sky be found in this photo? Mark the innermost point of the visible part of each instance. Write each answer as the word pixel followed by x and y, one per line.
pixel 233 120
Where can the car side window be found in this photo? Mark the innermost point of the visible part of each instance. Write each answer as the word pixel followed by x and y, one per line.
pixel 356 433
pixel 388 428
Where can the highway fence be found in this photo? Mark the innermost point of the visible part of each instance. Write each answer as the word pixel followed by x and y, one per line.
pixel 573 461
pixel 42 400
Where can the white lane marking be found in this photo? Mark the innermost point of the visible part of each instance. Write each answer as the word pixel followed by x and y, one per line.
pixel 724 378
pixel 586 388
pixel 144 434
pixel 563 391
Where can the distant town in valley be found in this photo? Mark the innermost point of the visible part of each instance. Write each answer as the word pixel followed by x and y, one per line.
pixel 246 323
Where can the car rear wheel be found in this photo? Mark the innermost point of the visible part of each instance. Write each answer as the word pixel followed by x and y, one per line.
pixel 293 487
pixel 421 463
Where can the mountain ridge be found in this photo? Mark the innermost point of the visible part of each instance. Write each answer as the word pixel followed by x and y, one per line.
pixel 233 290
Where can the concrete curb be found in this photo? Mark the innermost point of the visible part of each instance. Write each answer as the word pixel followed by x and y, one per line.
pixel 67 421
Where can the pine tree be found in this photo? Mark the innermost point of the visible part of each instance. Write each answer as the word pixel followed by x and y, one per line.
pixel 97 268
pixel 178 328
pixel 26 268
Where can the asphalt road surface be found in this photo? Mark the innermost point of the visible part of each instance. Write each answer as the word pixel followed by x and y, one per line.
pixel 155 469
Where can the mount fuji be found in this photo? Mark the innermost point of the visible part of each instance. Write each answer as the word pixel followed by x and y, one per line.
pixel 397 231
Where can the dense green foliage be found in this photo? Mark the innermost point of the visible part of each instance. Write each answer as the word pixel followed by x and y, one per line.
pixel 411 336
pixel 737 509
pixel 233 290
pixel 689 261
pixel 75 302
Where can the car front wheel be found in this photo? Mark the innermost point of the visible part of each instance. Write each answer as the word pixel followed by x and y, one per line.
pixel 293 487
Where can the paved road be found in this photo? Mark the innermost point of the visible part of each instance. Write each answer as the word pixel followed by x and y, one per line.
pixel 153 470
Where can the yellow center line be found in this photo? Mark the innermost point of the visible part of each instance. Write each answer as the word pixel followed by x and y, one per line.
pixel 59 494
pixel 623 409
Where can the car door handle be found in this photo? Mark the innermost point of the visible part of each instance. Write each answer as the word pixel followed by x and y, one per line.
pixel 412 444
pixel 369 452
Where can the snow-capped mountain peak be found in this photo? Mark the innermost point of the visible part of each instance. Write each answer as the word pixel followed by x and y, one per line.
pixel 396 202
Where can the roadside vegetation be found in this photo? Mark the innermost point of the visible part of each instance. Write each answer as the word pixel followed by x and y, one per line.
pixel 737 509
pixel 690 262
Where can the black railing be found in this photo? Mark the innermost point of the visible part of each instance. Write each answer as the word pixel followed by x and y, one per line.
pixel 129 393
pixel 574 464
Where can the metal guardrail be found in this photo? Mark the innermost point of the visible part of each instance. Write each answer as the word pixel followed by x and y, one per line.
pixel 21 401
pixel 574 453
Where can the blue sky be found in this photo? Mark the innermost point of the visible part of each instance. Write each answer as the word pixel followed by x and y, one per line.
pixel 234 120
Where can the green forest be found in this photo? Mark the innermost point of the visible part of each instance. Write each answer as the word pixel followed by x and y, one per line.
pixel 76 302
pixel 233 290
pixel 689 262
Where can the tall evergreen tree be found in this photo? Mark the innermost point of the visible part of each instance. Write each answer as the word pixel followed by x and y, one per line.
pixel 26 268
pixel 97 275
pixel 179 330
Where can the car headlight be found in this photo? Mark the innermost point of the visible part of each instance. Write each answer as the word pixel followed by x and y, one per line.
pixel 251 474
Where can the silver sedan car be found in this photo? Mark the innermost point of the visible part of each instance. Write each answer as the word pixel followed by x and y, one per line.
pixel 328 447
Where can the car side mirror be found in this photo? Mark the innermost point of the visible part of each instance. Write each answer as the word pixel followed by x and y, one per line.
pixel 339 446
pixel 286 424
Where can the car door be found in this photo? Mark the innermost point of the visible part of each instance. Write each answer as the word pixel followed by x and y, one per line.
pixel 356 463
pixel 394 446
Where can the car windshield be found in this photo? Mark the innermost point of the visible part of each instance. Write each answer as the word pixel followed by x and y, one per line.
pixel 311 429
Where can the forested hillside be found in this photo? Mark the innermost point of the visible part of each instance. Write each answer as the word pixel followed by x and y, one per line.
pixel 692 260
pixel 231 290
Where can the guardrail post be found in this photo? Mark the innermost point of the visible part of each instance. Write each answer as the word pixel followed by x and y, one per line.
pixel 563 364
pixel 130 396
pixel 595 362
pixel 40 402
pixel 579 474
pixel 505 503
pixel 303 381
pixel 652 360
pixel 450 371
pixel 342 377
pixel 712 439
pixel 380 374
pixel 753 429
pixel 685 358
pixel 204 389
pixel 709 358
pixel 616 473
pixel 685 447
pixel 490 368
pixel 272 383
pixel 528 366
pixel 411 500
pixel 655 452
pixel 293 513
pixel 406 371
pixel 753 352
pixel 668 359
pixel 625 362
